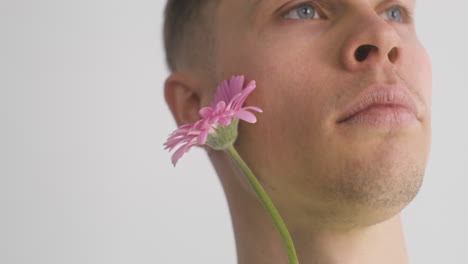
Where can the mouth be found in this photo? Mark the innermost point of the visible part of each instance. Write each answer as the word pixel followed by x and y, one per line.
pixel 381 115
pixel 381 106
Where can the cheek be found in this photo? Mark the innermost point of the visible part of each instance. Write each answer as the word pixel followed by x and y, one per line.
pixel 292 98
pixel 419 73
pixel 294 91
pixel 427 78
pixel 289 95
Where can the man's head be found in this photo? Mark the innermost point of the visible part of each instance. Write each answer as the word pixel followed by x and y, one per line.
pixel 188 33
pixel 311 61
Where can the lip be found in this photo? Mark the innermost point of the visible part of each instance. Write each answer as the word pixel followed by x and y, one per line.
pixel 381 105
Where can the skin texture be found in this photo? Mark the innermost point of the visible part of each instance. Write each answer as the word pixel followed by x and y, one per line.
pixel 340 191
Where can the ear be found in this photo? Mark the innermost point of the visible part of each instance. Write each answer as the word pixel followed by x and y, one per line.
pixel 182 94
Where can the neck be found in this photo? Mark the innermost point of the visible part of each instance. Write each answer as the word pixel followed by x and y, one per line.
pixel 258 241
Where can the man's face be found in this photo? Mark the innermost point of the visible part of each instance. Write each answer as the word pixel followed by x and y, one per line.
pixel 304 60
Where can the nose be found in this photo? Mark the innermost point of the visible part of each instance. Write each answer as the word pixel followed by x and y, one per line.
pixel 370 42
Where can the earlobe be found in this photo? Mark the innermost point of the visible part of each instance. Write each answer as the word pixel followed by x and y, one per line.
pixel 182 97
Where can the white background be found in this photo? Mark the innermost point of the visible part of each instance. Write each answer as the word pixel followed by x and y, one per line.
pixel 84 178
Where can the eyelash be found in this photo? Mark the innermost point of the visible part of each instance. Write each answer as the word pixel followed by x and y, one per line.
pixel 407 15
pixel 312 3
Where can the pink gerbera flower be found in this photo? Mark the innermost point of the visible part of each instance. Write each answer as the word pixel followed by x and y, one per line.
pixel 218 126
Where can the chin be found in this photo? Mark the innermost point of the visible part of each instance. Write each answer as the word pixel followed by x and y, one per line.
pixel 374 193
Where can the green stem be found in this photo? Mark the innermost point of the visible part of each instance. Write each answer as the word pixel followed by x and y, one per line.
pixel 267 203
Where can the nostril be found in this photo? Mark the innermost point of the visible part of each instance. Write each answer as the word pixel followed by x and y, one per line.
pixel 392 55
pixel 362 52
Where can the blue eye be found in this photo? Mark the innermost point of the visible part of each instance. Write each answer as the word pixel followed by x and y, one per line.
pixel 394 13
pixel 304 11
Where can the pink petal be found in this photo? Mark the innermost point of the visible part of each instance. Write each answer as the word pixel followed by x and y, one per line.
pixel 200 124
pixel 233 101
pixel 181 151
pixel 236 84
pixel 220 93
pixel 241 99
pixel 181 130
pixel 253 108
pixel 227 104
pixel 250 87
pixel 205 112
pixel 178 154
pixel 246 116
pixel 228 89
pixel 225 121
pixel 171 144
pixel 215 119
pixel 202 137
pixel 220 105
pixel 181 135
